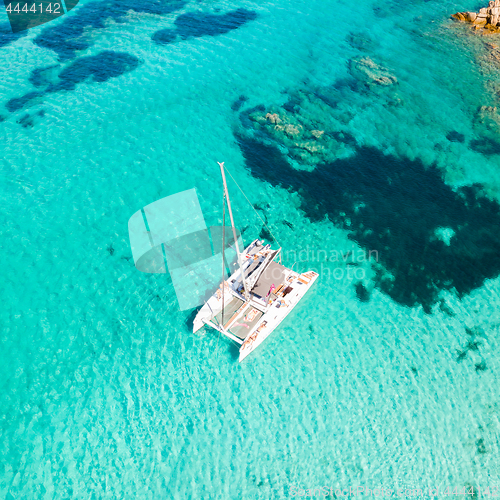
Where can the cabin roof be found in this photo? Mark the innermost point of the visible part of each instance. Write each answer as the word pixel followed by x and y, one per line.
pixel 274 274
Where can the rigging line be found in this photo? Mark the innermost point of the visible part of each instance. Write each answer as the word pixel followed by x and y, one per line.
pixel 242 192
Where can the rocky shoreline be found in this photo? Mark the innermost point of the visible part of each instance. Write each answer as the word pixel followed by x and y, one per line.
pixel 486 53
pixel 487 19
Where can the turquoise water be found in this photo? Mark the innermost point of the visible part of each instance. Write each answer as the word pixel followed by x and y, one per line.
pixel 106 393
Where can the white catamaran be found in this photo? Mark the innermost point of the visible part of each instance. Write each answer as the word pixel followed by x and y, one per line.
pixel 257 297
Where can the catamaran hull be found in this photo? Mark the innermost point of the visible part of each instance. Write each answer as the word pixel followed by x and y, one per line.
pixel 210 309
pixel 198 324
pixel 277 314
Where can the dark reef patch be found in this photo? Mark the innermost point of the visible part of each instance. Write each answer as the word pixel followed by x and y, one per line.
pixel 74 32
pixel 476 331
pixel 100 68
pixel 198 24
pixel 26 121
pixel 395 206
pixel 472 345
pixel 164 37
pixel 292 105
pixel 485 146
pixel 361 292
pixel 21 102
pixel 444 307
pixel 382 12
pixel 362 42
pixel 480 446
pixel 265 235
pixel 480 367
pixel 42 77
pixel 6 35
pixel 236 106
pixel 455 136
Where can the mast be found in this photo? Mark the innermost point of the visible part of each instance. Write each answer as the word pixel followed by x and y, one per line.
pixel 221 165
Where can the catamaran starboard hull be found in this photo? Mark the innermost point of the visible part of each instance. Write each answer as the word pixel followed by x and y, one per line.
pixel 280 309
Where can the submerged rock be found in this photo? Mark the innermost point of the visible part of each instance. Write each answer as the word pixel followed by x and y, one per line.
pixel 273 118
pixel 488 118
pixel 295 131
pixel 310 127
pixel 370 73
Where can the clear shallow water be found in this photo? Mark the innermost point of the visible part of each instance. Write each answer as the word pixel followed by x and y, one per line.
pixel 105 393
